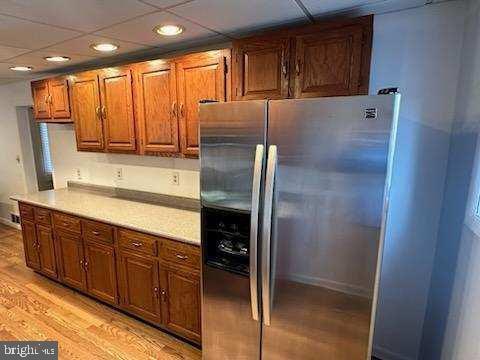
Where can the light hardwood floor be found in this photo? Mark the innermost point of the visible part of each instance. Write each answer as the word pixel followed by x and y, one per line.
pixel 33 307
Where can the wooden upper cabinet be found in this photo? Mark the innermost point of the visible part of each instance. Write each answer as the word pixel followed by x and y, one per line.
pixel 41 98
pixel 328 63
pixel 199 77
pixel 59 98
pixel 51 101
pixel 86 111
pixel 324 59
pixel 156 105
pixel 261 68
pixel 117 109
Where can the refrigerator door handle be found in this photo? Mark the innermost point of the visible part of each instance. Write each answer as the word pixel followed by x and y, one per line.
pixel 266 232
pixel 257 179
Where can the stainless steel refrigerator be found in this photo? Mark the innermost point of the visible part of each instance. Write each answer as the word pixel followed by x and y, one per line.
pixel 294 197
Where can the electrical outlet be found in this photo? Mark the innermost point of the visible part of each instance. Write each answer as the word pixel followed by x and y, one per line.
pixel 119 174
pixel 78 173
pixel 175 178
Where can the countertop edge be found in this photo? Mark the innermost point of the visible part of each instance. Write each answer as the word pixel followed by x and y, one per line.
pixel 126 226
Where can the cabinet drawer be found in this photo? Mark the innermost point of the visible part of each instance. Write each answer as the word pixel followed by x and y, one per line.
pixel 26 211
pixel 179 253
pixel 133 240
pixel 42 216
pixel 96 231
pixel 67 222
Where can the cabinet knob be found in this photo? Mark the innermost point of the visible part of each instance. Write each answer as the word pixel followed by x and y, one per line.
pixel 174 109
pixel 164 295
pixel 284 68
pixel 96 233
pixel 155 290
pixel 182 110
pixel 297 67
pixel 137 244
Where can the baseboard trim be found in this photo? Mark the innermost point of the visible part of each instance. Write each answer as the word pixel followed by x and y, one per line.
pixel 9 223
pixel 384 354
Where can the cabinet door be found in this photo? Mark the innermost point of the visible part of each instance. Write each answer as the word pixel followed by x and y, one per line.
pixel 101 272
pixel 117 109
pixel 70 259
pixel 46 250
pixel 41 99
pixel 261 68
pixel 32 258
pixel 328 63
pixel 59 101
pixel 181 302
pixel 139 286
pixel 199 77
pixel 156 100
pixel 86 112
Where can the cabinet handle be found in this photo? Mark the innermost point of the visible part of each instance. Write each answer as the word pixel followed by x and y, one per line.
pixel 104 112
pixel 137 244
pixel 155 290
pixel 164 295
pixel 96 233
pixel 81 264
pixel 85 265
pixel 174 109
pixel 181 257
pixel 297 67
pixel 97 111
pixel 37 245
pixel 284 68
pixel 182 114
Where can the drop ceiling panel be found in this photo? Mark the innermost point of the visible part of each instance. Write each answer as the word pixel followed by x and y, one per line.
pixel 316 7
pixel 25 34
pixel 36 59
pixel 7 52
pixel 162 4
pixel 81 46
pixel 232 16
pixel 85 15
pixel 140 30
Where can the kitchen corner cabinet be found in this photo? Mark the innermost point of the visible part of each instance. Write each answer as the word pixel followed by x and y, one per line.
pixel 326 59
pixel 51 101
pixel 153 278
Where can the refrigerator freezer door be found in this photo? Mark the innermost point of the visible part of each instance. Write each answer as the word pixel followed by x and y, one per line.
pixel 229 133
pixel 232 143
pixel 328 212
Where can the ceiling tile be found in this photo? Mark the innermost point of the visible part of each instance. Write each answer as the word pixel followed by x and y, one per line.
pixel 7 52
pixel 36 59
pixel 232 16
pixel 164 3
pixel 85 15
pixel 81 46
pixel 316 7
pixel 25 34
pixel 140 30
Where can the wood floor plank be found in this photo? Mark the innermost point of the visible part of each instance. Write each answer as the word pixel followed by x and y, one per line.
pixel 33 307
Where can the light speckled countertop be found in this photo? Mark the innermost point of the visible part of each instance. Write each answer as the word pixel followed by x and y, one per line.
pixel 176 224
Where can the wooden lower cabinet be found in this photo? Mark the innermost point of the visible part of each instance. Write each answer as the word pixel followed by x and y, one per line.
pixel 139 286
pixel 46 250
pixel 181 301
pixel 99 264
pixel 153 278
pixel 70 259
pixel 32 257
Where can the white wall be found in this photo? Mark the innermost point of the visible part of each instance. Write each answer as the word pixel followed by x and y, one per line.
pixel 147 173
pixel 419 51
pixel 462 337
pixel 12 174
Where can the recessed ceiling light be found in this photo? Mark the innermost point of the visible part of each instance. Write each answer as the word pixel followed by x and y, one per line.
pixel 57 58
pixel 168 30
pixel 104 47
pixel 21 68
